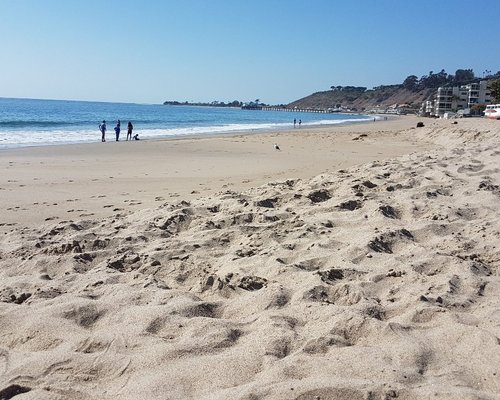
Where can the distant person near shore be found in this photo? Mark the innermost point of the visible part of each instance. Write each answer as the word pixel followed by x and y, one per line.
pixel 294 122
pixel 130 127
pixel 117 130
pixel 300 122
pixel 102 128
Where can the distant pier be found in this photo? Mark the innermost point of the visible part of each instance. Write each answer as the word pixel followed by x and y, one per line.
pixel 285 109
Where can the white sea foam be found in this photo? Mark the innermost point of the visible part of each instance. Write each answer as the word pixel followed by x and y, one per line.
pixel 53 137
pixel 27 122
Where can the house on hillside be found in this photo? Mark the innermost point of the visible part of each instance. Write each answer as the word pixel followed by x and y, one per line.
pixel 456 99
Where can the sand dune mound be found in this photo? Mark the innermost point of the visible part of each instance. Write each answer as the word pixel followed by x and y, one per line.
pixel 376 282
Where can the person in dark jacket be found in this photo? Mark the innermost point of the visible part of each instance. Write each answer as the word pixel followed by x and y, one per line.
pixel 117 130
pixel 130 127
pixel 102 128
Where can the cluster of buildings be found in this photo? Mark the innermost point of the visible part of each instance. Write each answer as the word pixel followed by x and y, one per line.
pixel 458 101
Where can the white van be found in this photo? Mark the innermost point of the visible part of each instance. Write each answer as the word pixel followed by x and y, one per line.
pixel 492 111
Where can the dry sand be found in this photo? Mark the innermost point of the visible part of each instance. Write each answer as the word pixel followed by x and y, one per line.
pixel 359 262
pixel 98 180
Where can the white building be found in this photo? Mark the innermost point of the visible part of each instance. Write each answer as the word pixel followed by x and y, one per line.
pixel 479 93
pixel 453 99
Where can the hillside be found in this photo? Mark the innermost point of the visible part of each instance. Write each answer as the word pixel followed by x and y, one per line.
pixel 382 96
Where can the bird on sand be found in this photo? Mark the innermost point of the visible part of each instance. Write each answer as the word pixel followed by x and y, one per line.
pixel 276 147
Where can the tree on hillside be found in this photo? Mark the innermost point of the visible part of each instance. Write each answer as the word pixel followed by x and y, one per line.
pixel 434 80
pixel 495 90
pixel 411 83
pixel 441 78
pixel 359 89
pixel 463 76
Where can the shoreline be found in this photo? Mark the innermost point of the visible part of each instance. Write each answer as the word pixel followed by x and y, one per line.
pixel 222 133
pixel 93 179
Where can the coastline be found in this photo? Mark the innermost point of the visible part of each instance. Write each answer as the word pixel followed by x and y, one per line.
pixel 189 133
pixel 69 122
pixel 97 180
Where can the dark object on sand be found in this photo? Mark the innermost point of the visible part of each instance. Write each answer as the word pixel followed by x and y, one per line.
pixel 13 390
pixel 420 124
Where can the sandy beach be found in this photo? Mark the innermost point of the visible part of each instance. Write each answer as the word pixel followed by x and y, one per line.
pixel 101 179
pixel 358 262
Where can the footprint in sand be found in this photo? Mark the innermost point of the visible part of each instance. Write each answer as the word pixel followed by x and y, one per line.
pixel 470 168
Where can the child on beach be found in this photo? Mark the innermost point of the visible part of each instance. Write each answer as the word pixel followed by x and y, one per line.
pixel 102 128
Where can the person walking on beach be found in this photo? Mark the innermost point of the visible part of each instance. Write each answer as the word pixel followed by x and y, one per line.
pixel 102 128
pixel 117 130
pixel 294 122
pixel 130 127
pixel 300 122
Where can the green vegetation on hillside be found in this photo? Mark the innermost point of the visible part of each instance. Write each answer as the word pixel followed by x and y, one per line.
pixel 411 92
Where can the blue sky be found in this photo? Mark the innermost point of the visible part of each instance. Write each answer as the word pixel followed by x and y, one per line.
pixel 202 50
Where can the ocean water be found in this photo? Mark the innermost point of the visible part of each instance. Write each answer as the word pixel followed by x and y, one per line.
pixel 29 122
